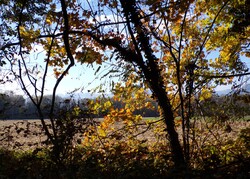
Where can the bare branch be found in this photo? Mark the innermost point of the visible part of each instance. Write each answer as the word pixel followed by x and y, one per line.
pixel 8 45
pixel 224 75
pixel 68 50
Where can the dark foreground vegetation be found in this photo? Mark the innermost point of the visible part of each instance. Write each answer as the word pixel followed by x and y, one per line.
pixel 123 144
pixel 141 163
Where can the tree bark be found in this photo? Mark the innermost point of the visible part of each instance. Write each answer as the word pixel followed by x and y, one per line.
pixel 152 74
pixel 168 116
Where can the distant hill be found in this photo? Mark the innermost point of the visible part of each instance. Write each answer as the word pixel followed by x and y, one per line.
pixel 243 90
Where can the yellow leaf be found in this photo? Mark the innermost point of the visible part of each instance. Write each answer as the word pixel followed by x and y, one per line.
pixel 48 21
pixel 107 105
pixel 128 110
pixel 102 133
pixel 205 94
pixel 21 29
pixel 148 105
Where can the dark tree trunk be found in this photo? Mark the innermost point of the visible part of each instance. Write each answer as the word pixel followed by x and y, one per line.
pixel 152 74
pixel 168 116
pixel 143 57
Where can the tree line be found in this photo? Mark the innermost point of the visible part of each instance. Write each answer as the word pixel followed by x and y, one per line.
pixel 14 106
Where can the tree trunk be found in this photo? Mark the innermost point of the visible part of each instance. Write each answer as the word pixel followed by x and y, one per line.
pixel 176 148
pixel 143 56
pixel 152 73
pixel 168 116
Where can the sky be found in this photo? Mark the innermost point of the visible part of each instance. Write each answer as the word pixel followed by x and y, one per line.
pixel 80 77
pixel 83 78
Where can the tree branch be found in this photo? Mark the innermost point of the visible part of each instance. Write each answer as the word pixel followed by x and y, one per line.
pixel 68 51
pixel 224 76
pixel 209 30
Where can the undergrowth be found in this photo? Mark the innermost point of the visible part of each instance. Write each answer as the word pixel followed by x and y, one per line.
pixel 123 160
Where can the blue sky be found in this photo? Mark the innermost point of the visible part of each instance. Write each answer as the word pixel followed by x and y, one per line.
pixel 80 77
pixel 83 78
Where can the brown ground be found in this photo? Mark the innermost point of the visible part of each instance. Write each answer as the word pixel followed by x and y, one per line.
pixel 21 134
pixel 27 134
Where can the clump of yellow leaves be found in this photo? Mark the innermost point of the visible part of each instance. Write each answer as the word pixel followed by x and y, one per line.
pixel 121 125
pixel 205 94
pixel 28 36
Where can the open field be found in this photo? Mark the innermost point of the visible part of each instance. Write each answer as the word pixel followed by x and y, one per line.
pixel 21 134
pixel 28 134
pixel 216 152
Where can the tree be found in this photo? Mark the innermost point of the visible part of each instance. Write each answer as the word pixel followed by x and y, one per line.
pixel 26 25
pixel 180 49
pixel 184 34
pixel 11 106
